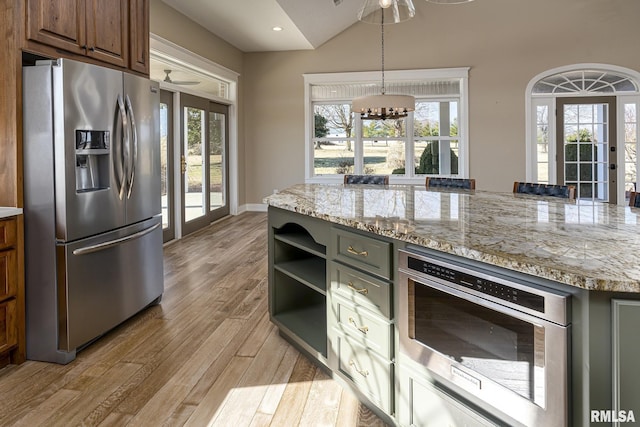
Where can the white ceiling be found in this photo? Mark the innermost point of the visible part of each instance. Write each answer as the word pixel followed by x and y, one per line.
pixel 248 24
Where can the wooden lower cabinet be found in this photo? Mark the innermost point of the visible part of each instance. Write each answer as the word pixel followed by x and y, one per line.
pixel 8 289
pixel 8 329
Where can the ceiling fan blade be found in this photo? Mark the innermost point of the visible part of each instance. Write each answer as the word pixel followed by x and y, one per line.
pixel 179 82
pixel 184 82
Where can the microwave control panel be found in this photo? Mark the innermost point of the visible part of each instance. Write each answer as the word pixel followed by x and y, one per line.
pixel 481 285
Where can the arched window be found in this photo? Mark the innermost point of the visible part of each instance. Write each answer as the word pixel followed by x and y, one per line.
pixel 582 129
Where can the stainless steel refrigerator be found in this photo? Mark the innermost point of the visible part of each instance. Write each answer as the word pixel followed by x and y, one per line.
pixel 93 229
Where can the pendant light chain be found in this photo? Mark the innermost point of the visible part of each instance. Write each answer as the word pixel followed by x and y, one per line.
pixel 382 44
pixel 383 106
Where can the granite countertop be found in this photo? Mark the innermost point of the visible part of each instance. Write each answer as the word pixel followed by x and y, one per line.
pixel 7 212
pixel 590 245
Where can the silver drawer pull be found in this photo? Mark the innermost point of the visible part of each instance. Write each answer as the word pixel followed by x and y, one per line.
pixel 363 291
pixel 362 372
pixel 363 329
pixel 355 252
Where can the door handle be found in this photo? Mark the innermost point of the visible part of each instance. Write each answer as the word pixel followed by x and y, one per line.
pixel 612 166
pixel 353 251
pixel 183 164
pixel 363 329
pixel 363 291
pixel 118 160
pixel 134 132
pixel 115 242
pixel 362 372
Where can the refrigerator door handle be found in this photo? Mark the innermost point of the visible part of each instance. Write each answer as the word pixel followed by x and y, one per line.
pixel 115 242
pixel 132 122
pixel 118 158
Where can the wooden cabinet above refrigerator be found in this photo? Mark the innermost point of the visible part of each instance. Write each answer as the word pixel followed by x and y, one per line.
pixel 114 32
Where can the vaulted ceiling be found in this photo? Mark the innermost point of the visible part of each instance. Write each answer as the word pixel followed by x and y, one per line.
pixel 248 24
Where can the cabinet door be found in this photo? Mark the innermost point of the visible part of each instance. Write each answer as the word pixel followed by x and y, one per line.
pixel 8 329
pixel 625 354
pixel 8 274
pixel 139 33
pixel 58 23
pixel 108 31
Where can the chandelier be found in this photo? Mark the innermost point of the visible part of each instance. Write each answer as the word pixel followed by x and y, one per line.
pixel 383 106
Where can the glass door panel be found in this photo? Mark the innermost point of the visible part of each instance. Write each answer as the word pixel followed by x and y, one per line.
pixel 166 165
pixel 587 147
pixel 218 160
pixel 205 146
pixel 194 161
pixel 217 132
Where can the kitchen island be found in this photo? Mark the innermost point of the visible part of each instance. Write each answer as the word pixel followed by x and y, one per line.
pixel 585 249
pixel 586 244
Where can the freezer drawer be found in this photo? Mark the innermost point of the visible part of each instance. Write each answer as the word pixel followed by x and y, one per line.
pixel 106 279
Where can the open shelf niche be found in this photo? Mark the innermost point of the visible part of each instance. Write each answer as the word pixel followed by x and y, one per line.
pixel 299 283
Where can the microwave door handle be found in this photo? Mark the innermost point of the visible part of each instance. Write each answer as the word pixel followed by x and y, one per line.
pixel 115 242
pixel 134 132
pixel 118 158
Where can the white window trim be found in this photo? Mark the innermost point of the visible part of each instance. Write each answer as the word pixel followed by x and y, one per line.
pixel 532 100
pixel 163 48
pixel 620 102
pixel 461 73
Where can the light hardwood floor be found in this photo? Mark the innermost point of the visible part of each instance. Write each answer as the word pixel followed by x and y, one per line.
pixel 207 355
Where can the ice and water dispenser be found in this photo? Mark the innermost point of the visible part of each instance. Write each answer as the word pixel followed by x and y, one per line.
pixel 92 160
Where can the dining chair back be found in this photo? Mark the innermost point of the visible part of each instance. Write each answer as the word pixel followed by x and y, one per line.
pixel 563 191
pixel 367 179
pixel 464 183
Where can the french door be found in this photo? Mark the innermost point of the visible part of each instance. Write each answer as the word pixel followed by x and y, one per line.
pixel 166 165
pixel 586 137
pixel 204 148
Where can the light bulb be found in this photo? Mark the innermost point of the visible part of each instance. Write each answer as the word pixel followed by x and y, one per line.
pixel 385 3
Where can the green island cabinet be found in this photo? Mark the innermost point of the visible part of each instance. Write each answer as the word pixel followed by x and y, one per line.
pixel 330 294
pixel 360 318
pixel 298 280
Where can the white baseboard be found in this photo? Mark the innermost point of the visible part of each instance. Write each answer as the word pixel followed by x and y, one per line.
pixel 252 207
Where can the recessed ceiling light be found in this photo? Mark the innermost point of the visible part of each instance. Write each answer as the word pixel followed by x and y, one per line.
pixel 277 28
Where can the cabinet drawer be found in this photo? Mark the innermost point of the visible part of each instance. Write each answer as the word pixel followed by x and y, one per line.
pixel 425 405
pixel 369 330
pixel 370 374
pixel 8 327
pixel 361 289
pixel 8 234
pixel 8 274
pixel 363 252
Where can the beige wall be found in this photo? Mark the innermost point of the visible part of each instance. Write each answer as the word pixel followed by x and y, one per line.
pixel 505 42
pixel 175 27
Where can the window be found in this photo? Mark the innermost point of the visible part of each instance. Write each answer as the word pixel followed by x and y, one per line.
pixel 431 140
pixel 630 120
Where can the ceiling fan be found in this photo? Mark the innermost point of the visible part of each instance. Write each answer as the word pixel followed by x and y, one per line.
pixel 178 82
